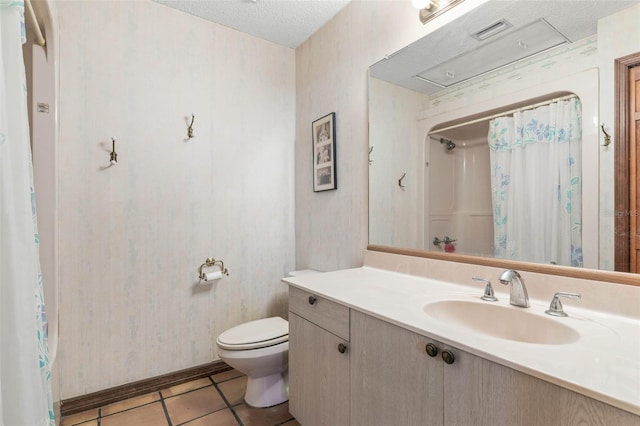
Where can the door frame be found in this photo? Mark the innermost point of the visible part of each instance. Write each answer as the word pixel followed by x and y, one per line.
pixel 622 196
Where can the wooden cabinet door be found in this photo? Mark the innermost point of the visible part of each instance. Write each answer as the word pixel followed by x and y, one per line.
pixel 393 380
pixel 481 392
pixel 463 390
pixel 318 375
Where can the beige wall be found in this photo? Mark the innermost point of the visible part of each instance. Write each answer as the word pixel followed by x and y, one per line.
pixel 133 235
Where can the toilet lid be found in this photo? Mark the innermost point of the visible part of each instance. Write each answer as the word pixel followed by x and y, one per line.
pixel 255 334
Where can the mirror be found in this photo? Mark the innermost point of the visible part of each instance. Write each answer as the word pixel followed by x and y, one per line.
pixel 407 155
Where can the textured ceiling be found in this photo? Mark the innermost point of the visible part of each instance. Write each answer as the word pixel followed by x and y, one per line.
pixel 575 19
pixel 285 22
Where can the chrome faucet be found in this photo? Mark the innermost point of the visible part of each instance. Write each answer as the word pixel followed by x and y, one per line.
pixel 518 292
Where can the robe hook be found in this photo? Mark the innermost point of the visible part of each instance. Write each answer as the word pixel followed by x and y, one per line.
pixel 113 157
pixel 400 184
pixel 607 136
pixel 190 128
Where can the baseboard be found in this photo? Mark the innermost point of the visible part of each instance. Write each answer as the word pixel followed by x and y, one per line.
pixel 56 412
pixel 130 390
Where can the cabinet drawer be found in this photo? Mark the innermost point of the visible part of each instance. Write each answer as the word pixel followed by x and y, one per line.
pixel 329 315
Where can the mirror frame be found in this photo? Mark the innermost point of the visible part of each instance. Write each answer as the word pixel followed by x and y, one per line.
pixel 563 271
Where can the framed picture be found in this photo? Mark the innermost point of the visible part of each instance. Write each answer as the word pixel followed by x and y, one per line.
pixel 324 153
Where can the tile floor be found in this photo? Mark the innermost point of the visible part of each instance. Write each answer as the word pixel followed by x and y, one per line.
pixel 210 401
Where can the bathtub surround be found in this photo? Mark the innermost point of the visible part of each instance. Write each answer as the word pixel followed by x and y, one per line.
pixel 131 236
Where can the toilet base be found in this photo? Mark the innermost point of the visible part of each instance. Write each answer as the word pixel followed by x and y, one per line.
pixel 267 391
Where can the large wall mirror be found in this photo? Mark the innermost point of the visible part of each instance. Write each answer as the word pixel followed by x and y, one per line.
pixel 444 180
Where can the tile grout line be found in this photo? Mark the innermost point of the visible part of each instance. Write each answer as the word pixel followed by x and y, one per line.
pixel 203 415
pixel 100 416
pixel 164 408
pixel 162 399
pixel 224 398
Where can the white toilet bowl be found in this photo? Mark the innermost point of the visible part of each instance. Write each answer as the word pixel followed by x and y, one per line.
pixel 259 349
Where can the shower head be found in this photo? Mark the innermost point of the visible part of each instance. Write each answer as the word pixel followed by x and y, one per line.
pixel 448 144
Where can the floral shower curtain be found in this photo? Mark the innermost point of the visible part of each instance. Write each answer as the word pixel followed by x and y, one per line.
pixel 536 184
pixel 25 381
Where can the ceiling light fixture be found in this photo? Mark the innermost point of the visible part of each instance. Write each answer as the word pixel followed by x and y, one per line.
pixel 429 9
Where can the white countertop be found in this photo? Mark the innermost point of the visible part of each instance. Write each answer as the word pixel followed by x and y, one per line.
pixel 604 363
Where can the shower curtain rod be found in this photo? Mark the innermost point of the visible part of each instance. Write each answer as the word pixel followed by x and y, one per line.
pixel 32 15
pixel 502 114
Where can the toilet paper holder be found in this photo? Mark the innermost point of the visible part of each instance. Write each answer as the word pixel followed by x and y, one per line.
pixel 210 262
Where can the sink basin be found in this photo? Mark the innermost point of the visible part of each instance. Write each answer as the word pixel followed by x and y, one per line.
pixel 503 322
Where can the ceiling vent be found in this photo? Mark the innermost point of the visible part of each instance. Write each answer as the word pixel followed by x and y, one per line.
pixel 518 44
pixel 492 30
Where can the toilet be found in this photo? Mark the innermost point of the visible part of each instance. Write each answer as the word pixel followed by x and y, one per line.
pixel 259 349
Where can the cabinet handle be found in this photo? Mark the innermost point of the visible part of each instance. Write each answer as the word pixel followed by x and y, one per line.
pixel 312 300
pixel 342 348
pixel 432 350
pixel 448 357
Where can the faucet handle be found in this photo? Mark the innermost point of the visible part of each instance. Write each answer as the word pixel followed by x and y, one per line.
pixel 488 290
pixel 555 308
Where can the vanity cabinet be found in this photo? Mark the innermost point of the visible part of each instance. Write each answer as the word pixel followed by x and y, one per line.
pixel 319 360
pixel 395 381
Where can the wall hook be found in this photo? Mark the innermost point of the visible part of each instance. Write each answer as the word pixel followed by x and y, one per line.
pixel 190 128
pixel 370 151
pixel 113 158
pixel 400 184
pixel 607 136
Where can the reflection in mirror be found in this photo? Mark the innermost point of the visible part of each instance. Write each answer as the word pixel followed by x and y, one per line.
pixel 459 189
pixel 448 190
pixel 510 185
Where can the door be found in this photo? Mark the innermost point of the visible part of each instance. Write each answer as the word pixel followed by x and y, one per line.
pixel 626 163
pixel 634 143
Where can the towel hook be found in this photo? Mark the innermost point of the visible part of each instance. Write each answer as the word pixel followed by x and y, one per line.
pixel 607 136
pixel 190 128
pixel 113 158
pixel 400 184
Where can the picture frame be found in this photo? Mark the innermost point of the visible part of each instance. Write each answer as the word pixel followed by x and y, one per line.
pixel 324 153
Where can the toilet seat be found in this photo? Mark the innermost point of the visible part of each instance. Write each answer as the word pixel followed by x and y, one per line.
pixel 255 334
